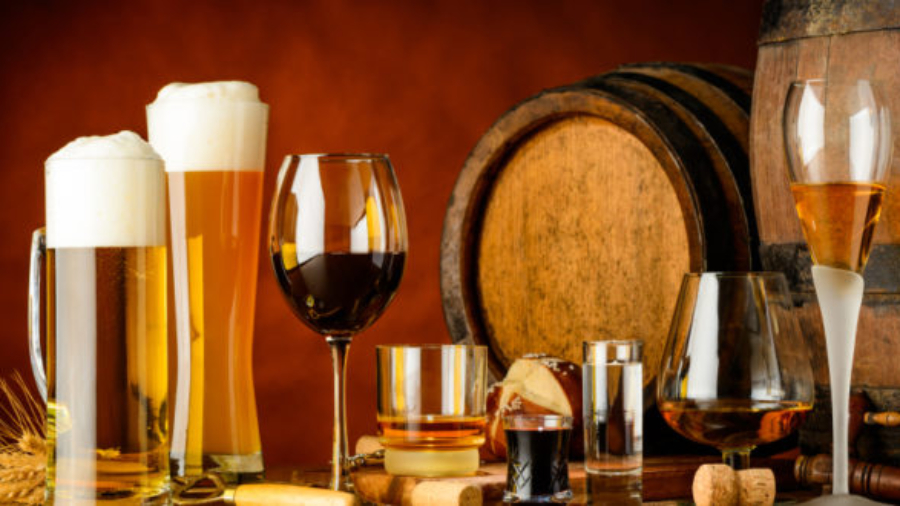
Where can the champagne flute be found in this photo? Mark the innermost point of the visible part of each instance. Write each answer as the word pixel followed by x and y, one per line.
pixel 338 245
pixel 735 373
pixel 837 137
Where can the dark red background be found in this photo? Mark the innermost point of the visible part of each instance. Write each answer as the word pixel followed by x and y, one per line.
pixel 421 80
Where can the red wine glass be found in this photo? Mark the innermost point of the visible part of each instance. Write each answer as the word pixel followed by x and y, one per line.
pixel 338 245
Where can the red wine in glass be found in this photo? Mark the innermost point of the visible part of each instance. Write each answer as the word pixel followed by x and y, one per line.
pixel 338 245
pixel 340 293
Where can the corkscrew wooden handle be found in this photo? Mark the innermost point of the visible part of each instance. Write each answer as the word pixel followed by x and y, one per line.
pixel 885 419
pixel 272 494
pixel 874 480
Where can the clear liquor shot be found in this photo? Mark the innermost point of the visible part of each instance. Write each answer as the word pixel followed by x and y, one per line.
pixel 613 421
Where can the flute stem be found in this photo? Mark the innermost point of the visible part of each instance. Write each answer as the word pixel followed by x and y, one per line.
pixel 840 294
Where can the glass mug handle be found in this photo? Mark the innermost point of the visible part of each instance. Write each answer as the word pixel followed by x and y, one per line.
pixel 38 252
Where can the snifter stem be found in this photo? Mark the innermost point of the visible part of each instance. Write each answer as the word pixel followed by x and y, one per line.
pixel 737 459
pixel 340 475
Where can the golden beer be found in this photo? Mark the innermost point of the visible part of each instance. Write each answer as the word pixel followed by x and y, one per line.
pixel 107 433
pixel 212 137
pixel 107 362
pixel 221 294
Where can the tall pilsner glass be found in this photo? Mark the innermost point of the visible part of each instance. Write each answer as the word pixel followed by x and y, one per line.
pixel 837 137
pixel 212 137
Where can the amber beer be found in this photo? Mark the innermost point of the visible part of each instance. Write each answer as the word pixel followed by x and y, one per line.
pixel 107 379
pixel 212 137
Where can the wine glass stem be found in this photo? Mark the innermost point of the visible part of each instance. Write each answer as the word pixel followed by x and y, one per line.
pixel 339 472
pixel 737 459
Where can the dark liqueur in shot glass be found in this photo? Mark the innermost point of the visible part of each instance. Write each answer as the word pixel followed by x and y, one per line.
pixel 537 453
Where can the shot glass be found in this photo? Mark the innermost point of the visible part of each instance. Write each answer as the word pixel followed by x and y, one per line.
pixel 537 454
pixel 431 408
pixel 613 421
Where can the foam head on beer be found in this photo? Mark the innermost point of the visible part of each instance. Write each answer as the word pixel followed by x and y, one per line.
pixel 214 126
pixel 105 191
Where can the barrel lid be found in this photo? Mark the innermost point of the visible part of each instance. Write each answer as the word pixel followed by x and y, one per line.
pixel 577 213
pixel 784 20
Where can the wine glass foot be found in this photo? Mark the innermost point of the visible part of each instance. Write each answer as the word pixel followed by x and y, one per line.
pixel 842 500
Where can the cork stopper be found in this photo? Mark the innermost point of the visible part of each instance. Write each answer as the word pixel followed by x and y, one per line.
pixel 719 485
pixel 756 487
pixel 714 484
pixel 444 493
pixel 368 444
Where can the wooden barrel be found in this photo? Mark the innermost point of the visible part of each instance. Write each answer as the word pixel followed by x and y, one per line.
pixel 577 213
pixel 804 39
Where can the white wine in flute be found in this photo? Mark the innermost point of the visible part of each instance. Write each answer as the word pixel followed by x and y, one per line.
pixel 839 220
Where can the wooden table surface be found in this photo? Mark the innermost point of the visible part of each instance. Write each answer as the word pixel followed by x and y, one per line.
pixel 666 481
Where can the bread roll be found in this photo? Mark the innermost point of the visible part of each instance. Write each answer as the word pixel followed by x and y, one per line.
pixel 534 384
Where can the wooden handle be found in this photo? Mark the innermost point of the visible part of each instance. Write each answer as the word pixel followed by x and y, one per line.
pixel 874 480
pixel 276 494
pixel 444 493
pixel 885 419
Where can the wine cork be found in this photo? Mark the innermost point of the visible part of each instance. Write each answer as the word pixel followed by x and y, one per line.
pixel 715 485
pixel 756 487
pixel 368 444
pixel 269 494
pixel 444 493
pixel 719 485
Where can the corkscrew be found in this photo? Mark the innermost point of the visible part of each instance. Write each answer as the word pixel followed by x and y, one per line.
pixel 212 489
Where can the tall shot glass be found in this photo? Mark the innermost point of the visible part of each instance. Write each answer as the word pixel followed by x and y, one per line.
pixel 431 408
pixel 613 420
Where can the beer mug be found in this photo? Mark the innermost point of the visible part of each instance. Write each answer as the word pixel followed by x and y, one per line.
pixel 212 137
pixel 106 381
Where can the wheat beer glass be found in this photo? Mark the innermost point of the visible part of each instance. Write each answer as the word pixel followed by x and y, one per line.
pixel 106 378
pixel 212 137
pixel 838 141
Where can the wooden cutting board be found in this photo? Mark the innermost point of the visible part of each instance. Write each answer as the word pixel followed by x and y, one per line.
pixel 665 478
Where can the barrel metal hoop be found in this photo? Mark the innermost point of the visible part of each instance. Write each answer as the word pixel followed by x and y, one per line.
pixel 882 274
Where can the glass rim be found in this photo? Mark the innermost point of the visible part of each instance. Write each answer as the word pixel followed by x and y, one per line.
pixel 347 156
pixel 104 159
pixel 429 346
pixel 204 100
pixel 736 274
pixel 557 421
pixel 839 81
pixel 615 342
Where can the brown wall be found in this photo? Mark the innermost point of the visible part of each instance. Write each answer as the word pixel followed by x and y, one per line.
pixel 421 80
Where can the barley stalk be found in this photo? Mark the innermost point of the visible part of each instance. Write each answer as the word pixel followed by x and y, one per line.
pixel 22 444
